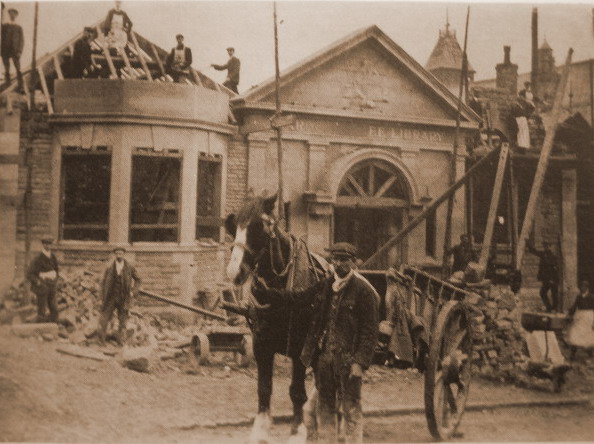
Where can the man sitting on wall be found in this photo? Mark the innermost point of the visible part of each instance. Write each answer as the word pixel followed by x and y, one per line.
pixel 117 291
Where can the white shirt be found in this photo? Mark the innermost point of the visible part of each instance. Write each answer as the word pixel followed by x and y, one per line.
pixel 119 267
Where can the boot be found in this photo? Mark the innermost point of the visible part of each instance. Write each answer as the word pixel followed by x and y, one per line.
pixel 122 336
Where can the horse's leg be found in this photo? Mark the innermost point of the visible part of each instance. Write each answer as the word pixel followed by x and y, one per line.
pixel 264 355
pixel 297 392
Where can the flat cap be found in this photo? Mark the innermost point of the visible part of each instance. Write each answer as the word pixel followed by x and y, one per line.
pixel 13 10
pixel 179 35
pixel 230 48
pixel 47 240
pixel 343 248
pixel 119 248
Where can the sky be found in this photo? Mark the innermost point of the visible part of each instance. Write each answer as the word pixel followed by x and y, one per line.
pixel 306 27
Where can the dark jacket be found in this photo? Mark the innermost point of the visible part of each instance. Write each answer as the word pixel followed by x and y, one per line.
pixel 170 56
pixel 356 328
pixel 232 67
pixel 463 254
pixel 548 269
pixel 129 273
pixel 13 40
pixel 42 264
pixel 81 58
pixel 107 23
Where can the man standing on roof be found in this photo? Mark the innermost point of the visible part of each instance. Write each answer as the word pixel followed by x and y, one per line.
pixel 232 67
pixel 81 58
pixel 11 47
pixel 179 60
pixel 116 27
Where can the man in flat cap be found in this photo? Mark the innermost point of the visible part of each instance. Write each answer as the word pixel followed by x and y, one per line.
pixel 232 67
pixel 117 291
pixel 179 60
pixel 81 63
pixel 11 47
pixel 43 275
pixel 340 342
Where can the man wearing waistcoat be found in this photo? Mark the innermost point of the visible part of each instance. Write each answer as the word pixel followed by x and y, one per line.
pixel 340 342
pixel 117 291
pixel 43 275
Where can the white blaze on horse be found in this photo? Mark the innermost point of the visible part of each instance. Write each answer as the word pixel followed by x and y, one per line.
pixel 264 250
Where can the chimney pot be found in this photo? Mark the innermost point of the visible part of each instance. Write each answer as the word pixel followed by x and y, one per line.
pixel 506 57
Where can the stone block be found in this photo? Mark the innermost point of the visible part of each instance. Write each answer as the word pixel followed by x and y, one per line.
pixel 139 359
pixel 504 324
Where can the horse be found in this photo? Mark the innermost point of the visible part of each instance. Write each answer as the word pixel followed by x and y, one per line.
pixel 264 251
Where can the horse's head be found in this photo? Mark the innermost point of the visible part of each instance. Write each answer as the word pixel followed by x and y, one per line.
pixel 251 230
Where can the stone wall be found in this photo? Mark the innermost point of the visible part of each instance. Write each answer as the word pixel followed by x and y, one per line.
pixel 496 328
pixel 237 174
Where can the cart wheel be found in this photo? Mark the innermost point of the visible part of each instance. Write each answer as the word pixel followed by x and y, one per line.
pixel 201 348
pixel 449 370
pixel 246 354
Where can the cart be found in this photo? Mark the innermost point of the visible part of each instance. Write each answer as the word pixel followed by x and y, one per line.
pixel 440 339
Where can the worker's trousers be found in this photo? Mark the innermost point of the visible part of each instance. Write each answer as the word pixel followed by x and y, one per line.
pixel 337 393
pixel 107 312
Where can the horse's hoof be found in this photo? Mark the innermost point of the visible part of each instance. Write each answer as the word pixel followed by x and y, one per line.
pixel 261 429
pixel 300 437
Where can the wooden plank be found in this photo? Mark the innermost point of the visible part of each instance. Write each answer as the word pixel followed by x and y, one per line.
pixel 196 76
pixel 356 184
pixel 543 162
pixel 58 68
pixel 141 57
pixel 492 215
pixel 513 209
pixel 430 208
pixel 132 72
pixel 159 61
pixel 179 304
pixel 107 55
pixel 387 184
pixel 44 88
pixel 81 352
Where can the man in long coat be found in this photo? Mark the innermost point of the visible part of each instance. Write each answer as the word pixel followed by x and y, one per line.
pixel 340 342
pixel 43 275
pixel 120 283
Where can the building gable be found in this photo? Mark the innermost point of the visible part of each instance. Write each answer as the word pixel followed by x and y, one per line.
pixel 368 74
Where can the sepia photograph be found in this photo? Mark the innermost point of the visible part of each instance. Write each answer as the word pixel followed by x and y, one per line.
pixel 296 221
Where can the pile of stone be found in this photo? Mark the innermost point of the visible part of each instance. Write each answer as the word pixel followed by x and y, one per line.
pixel 498 344
pixel 150 338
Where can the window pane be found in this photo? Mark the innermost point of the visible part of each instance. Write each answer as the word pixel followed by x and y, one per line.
pixel 208 204
pixel 154 205
pixel 85 196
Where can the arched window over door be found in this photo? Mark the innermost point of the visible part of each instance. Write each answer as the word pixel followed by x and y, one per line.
pixel 371 206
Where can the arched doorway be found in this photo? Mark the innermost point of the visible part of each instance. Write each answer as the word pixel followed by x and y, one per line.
pixel 371 206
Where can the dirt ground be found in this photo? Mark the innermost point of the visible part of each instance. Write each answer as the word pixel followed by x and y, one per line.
pixel 47 396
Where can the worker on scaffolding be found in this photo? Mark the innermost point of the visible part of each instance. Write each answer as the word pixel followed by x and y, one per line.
pixel 179 60
pixel 463 253
pixel 82 62
pixel 232 67
pixel 11 47
pixel 116 27
pixel 548 275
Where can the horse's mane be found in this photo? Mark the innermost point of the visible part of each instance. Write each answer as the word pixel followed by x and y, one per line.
pixel 252 209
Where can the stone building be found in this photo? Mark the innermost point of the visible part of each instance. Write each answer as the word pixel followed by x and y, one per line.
pixel 370 147
pixel 117 160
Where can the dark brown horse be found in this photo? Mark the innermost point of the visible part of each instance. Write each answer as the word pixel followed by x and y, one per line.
pixel 264 251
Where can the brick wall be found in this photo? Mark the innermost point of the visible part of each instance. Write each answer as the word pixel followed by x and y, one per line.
pixel 41 161
pixel 237 174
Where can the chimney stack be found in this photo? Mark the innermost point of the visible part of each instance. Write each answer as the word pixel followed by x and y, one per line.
pixel 507 73
pixel 534 72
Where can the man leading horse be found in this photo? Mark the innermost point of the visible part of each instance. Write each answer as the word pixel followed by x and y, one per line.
pixel 340 342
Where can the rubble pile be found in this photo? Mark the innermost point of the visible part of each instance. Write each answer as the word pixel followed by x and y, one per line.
pixel 499 348
pixel 152 337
